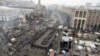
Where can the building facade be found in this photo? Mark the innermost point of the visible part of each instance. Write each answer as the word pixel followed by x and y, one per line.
pixel 86 18
pixel 12 17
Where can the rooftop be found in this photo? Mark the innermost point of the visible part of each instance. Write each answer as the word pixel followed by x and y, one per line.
pixel 88 8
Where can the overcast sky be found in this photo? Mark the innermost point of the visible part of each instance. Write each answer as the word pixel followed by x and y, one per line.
pixel 67 2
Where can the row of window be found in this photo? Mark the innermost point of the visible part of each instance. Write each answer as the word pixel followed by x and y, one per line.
pixel 80 14
pixel 94 27
pixel 94 15
pixel 78 23
pixel 4 18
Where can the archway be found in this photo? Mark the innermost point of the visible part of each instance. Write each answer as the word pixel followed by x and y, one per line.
pixel 79 24
pixel 75 23
pixel 82 26
pixel 99 27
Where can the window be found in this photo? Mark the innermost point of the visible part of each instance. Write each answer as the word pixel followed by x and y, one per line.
pixel 80 15
pixel 90 14
pixel 84 14
pixel 76 13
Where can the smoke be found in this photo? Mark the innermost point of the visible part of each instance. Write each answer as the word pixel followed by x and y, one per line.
pixel 58 15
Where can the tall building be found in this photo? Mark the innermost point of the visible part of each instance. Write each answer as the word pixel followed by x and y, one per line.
pixel 39 9
pixel 86 18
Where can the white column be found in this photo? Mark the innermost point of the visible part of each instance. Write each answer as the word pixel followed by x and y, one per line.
pixel 78 19
pixel 91 19
pixel 81 20
pixel 73 20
